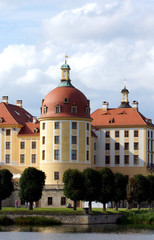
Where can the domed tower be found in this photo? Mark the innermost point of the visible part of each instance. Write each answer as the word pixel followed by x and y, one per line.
pixel 65 130
pixel 124 101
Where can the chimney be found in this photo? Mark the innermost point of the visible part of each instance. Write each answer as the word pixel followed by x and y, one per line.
pixel 135 105
pixel 19 103
pixel 5 99
pixel 34 119
pixel 105 106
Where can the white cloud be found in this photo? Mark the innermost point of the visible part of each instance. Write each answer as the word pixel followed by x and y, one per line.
pixel 107 41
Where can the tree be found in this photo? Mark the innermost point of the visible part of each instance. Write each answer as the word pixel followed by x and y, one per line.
pixel 31 185
pixel 130 192
pixel 120 188
pixel 92 180
pixel 107 186
pixel 150 196
pixel 6 184
pixel 74 188
pixel 140 189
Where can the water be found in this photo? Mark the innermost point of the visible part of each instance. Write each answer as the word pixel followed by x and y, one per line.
pixel 100 232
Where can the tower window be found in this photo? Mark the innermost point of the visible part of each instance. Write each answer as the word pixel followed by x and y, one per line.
pixel 7 158
pixel 74 154
pixel 43 154
pixel 56 125
pixel 8 132
pixel 56 139
pixel 7 145
pixel 74 139
pixel 74 109
pixel 33 158
pixel 87 140
pixel 87 155
pixel 58 109
pixel 87 126
pixel 56 154
pixel 22 158
pixel 74 125
pixel 94 145
pixel 43 140
pixel 43 126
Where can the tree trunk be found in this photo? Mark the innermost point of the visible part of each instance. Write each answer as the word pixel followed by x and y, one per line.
pixel 90 206
pixel 31 206
pixel 104 206
pixel 0 204
pixel 128 205
pixel 150 206
pixel 116 206
pixel 138 206
pixel 74 207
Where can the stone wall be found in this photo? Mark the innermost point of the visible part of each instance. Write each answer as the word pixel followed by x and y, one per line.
pixel 77 219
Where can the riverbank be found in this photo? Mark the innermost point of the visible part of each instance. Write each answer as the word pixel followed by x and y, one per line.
pixel 49 217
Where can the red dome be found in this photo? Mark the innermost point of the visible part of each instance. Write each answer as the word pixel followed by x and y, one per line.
pixel 70 102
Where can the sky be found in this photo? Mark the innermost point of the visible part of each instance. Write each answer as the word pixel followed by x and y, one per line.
pixel 107 41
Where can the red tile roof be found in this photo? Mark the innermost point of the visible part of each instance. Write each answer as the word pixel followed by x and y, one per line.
pixel 119 117
pixel 29 128
pixel 13 115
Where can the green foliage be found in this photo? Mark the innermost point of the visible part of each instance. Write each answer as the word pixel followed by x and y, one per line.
pixel 150 196
pixel 107 185
pixel 31 184
pixel 137 217
pixel 140 188
pixel 92 180
pixel 5 221
pixel 120 187
pixel 6 185
pixel 73 181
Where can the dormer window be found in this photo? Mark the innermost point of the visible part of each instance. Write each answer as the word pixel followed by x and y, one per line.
pixel 87 110
pixel 35 130
pixel 58 109
pixel 66 100
pixel 74 109
pixel 44 109
pixel 1 120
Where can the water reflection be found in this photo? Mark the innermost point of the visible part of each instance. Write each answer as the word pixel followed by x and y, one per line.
pixel 105 228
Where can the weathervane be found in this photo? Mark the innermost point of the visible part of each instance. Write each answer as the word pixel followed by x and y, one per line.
pixel 66 57
pixel 124 83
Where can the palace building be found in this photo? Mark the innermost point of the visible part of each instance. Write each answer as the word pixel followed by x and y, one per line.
pixel 67 136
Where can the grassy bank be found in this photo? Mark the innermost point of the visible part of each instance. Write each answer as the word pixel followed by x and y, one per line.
pixel 28 221
pixel 137 217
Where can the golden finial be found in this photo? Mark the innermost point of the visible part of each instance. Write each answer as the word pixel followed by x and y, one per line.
pixel 66 57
